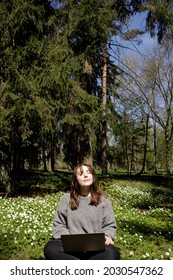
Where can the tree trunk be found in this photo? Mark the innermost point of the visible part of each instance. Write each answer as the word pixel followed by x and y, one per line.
pixel 89 156
pixel 84 149
pixel 155 149
pixel 167 152
pixel 52 153
pixel 132 161
pixel 5 180
pixel 145 145
pixel 44 160
pixel 154 130
pixel 104 122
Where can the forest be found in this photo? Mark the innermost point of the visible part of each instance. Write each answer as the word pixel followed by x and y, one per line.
pixel 69 93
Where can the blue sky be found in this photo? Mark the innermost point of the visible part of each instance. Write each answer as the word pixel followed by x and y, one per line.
pixel 138 22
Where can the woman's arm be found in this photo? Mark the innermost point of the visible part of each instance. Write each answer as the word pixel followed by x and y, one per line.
pixel 60 219
pixel 108 221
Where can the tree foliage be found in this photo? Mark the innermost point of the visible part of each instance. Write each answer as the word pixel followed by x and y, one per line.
pixel 160 18
pixel 51 72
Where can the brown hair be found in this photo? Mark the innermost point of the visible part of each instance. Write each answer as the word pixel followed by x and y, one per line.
pixel 75 188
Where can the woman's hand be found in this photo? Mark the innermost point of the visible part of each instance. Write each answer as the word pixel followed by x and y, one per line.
pixel 108 240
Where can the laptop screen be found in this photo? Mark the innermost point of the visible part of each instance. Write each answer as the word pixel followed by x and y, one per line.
pixel 83 242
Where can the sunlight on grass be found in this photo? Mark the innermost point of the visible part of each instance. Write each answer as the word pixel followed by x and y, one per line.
pixel 145 227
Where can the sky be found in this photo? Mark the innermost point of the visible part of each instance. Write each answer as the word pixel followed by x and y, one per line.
pixel 138 22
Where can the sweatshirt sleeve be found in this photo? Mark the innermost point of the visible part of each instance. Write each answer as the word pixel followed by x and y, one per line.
pixel 60 219
pixel 108 219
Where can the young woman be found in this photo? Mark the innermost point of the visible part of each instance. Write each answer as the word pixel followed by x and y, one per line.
pixel 84 210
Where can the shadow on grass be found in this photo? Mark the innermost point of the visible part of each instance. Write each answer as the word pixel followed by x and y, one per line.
pixel 7 246
pixel 161 189
pixel 160 198
pixel 11 251
pixel 40 183
pixel 134 227
pixel 157 180
pixel 33 183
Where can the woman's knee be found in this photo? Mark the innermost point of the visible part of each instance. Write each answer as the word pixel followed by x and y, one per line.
pixel 113 252
pixel 47 249
pixel 52 247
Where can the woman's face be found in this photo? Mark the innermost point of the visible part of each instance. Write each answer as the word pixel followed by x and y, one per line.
pixel 84 176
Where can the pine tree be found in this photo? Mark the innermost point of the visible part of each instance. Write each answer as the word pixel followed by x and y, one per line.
pixel 160 19
pixel 88 27
pixel 25 106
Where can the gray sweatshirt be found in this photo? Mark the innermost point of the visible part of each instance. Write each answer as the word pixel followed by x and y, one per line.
pixel 86 219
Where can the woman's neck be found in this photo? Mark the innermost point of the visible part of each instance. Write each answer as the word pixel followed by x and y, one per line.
pixel 85 191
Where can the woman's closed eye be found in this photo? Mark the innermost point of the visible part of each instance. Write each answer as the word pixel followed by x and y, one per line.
pixel 81 173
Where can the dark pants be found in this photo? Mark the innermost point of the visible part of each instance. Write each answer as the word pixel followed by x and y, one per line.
pixel 53 250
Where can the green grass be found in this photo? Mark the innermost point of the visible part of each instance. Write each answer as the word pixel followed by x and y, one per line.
pixel 145 221
pixel 143 211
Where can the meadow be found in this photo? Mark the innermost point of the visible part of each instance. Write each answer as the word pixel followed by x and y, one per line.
pixel 143 211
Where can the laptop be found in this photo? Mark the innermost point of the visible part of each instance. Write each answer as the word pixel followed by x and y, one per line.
pixel 83 242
